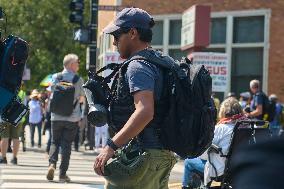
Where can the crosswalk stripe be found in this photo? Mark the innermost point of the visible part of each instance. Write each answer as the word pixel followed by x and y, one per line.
pixel 30 173
pixel 53 186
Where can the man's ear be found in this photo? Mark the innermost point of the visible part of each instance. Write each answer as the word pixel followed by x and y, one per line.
pixel 133 33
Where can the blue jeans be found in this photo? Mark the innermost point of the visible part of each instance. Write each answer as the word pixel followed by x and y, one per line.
pixel 275 131
pixel 189 166
pixel 32 130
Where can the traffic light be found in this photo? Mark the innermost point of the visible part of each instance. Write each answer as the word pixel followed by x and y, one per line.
pixel 77 8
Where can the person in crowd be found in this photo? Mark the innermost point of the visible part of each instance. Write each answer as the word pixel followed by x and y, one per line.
pixel 257 103
pixel 81 126
pixel 64 128
pixel 132 33
pixel 35 117
pixel 24 98
pixel 192 166
pixel 216 101
pixel 47 119
pixel 14 133
pixel 101 135
pixel 89 132
pixel 231 94
pixel 245 100
pixel 230 112
pixel 275 124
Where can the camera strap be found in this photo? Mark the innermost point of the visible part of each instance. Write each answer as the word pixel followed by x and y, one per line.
pixel 112 66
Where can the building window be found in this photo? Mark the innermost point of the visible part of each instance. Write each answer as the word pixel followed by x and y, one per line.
pixel 218 30
pixel 247 64
pixel 175 32
pixel 158 33
pixel 248 29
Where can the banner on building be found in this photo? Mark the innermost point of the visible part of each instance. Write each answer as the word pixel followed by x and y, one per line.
pixel 217 64
pixel 111 57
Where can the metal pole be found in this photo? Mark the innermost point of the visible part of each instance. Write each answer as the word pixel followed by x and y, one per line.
pixel 93 26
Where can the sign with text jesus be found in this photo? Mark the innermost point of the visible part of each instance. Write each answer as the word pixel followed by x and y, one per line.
pixel 217 65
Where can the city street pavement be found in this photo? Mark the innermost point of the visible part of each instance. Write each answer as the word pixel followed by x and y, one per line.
pixel 30 173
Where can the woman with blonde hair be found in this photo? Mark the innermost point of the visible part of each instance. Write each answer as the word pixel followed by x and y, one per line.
pixel 230 112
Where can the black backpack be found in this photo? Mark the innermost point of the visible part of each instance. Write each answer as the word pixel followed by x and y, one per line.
pixel 62 101
pixel 14 54
pixel 13 57
pixel 269 108
pixel 188 127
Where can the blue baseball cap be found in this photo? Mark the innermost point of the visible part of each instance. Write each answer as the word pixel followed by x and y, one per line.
pixel 130 18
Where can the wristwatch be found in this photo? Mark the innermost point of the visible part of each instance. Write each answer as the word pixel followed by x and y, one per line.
pixel 111 144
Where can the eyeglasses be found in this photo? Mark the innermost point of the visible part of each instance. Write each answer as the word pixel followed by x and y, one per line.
pixel 117 34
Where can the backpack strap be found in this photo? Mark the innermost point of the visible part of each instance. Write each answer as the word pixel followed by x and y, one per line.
pixel 115 69
pixel 155 58
pixel 110 66
pixel 75 79
pixel 59 76
pixel 159 60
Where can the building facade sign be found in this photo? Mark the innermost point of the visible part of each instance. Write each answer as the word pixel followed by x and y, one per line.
pixel 111 57
pixel 217 65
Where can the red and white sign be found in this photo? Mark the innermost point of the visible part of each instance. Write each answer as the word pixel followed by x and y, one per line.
pixel 195 31
pixel 111 57
pixel 217 65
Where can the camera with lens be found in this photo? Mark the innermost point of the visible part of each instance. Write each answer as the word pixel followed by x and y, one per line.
pixel 97 93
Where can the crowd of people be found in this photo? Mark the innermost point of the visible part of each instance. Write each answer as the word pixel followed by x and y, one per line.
pixel 250 105
pixel 38 120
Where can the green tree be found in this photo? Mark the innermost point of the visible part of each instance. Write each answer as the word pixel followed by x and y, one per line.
pixel 45 25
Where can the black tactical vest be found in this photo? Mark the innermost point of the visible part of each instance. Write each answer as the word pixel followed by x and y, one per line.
pixel 122 103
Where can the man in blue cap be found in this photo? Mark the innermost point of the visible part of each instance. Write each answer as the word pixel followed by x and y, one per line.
pixel 137 94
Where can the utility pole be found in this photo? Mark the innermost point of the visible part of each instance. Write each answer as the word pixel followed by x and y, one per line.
pixel 93 27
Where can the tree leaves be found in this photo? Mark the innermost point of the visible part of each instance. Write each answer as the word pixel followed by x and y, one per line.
pixel 45 25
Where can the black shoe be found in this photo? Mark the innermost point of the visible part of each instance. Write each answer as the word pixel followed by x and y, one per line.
pixel 39 146
pixel 3 160
pixel 14 161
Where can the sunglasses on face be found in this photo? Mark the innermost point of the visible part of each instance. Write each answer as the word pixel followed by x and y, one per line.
pixel 117 34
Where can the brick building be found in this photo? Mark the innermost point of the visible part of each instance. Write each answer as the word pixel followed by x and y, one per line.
pixel 251 32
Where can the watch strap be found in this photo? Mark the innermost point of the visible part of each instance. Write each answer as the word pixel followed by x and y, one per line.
pixel 111 144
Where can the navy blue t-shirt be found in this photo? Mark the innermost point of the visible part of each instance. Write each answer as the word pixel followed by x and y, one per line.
pixel 142 75
pixel 258 99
